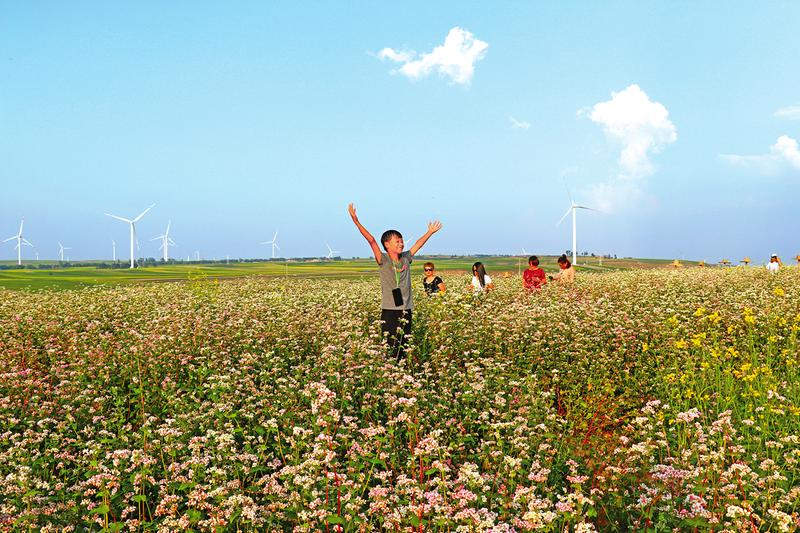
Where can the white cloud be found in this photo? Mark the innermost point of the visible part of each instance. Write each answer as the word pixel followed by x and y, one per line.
pixel 640 125
pixel 393 55
pixel 642 128
pixel 791 112
pixel 521 124
pixel 784 151
pixel 455 59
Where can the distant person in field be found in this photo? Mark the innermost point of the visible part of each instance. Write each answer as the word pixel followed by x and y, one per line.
pixel 534 277
pixel 480 279
pixel 395 271
pixel 774 264
pixel 432 283
pixel 566 272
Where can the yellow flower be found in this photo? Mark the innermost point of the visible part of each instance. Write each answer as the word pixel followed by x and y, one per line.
pixel 681 344
pixel 700 312
pixel 645 347
pixel 779 292
pixel 697 340
pixel 749 319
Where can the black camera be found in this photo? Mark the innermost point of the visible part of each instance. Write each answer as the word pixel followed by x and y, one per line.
pixel 398 296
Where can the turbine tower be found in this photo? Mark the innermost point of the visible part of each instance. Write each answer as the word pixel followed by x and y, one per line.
pixel 331 252
pixel 273 243
pixel 166 242
pixel 133 228
pixel 21 241
pixel 61 249
pixel 113 250
pixel 573 207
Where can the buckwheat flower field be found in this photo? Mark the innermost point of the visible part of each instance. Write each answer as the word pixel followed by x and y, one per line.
pixel 645 400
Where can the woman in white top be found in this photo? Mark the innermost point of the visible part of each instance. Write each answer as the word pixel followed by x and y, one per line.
pixel 480 279
pixel 774 264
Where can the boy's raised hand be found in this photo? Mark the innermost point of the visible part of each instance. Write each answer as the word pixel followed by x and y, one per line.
pixel 352 210
pixel 434 226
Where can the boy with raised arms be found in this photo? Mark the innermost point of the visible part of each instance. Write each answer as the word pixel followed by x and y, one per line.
pixel 395 270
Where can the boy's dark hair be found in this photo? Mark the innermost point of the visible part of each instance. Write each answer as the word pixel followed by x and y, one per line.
pixel 387 236
pixel 564 261
pixel 533 260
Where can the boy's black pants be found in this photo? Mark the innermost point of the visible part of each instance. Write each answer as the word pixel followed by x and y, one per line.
pixel 396 327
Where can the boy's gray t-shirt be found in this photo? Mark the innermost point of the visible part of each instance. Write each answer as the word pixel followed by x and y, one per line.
pixel 389 281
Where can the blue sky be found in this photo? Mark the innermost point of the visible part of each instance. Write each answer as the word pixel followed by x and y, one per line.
pixel 679 120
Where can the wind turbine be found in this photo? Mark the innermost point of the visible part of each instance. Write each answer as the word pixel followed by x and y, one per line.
pixel 133 227
pixel 331 252
pixel 61 249
pixel 113 250
pixel 20 242
pixel 166 242
pixel 519 260
pixel 573 207
pixel 273 243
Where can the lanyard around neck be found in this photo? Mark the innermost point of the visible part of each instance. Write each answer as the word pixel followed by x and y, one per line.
pixel 394 267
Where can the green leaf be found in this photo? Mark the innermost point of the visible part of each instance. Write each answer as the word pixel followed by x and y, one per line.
pixel 696 522
pixel 103 509
pixel 334 519
pixel 140 498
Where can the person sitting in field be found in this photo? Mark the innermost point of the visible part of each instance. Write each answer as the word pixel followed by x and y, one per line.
pixel 432 283
pixel 534 277
pixel 774 264
pixel 395 272
pixel 566 274
pixel 480 279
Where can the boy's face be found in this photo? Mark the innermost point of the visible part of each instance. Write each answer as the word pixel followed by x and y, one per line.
pixel 531 266
pixel 395 245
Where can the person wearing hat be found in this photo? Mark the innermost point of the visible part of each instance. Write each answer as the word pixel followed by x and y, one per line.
pixel 774 264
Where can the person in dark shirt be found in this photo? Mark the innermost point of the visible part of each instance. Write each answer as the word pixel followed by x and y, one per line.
pixel 431 282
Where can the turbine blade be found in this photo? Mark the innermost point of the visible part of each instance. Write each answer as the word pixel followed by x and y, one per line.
pixel 168 225
pixel 584 207
pixel 10 238
pixel 566 187
pixel 21 223
pixel 118 218
pixel 143 213
pixel 565 216
pixel 276 246
pixel 25 241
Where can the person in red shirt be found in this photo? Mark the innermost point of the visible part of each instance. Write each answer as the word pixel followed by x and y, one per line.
pixel 534 277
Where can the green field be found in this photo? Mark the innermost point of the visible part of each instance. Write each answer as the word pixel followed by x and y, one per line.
pixel 83 276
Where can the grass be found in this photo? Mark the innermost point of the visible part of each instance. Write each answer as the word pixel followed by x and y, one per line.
pixel 77 277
